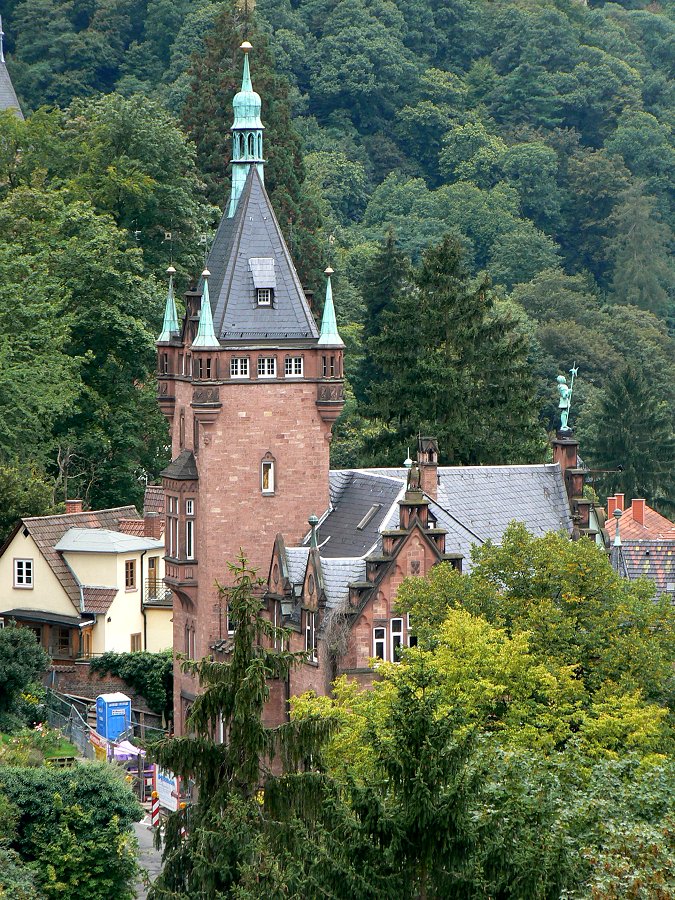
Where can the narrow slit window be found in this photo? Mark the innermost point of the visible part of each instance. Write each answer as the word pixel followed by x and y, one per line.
pixel 396 639
pixel 267 476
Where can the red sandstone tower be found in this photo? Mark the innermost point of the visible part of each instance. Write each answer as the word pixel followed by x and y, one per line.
pixel 251 389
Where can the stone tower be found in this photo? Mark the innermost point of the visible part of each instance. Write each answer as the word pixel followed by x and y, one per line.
pixel 251 388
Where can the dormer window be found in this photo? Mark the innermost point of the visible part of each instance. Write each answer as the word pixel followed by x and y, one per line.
pixel 264 279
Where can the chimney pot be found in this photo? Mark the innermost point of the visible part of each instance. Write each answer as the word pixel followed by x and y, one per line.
pixel 73 506
pixel 611 506
pixel 619 501
pixel 638 510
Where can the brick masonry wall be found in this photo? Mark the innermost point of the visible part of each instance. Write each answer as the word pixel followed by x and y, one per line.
pixel 79 680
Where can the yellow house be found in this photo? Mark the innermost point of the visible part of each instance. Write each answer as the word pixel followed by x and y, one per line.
pixel 89 582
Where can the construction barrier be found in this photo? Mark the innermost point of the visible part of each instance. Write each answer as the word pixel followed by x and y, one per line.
pixel 183 817
pixel 154 811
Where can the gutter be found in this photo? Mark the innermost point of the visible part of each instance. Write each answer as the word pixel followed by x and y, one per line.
pixel 143 613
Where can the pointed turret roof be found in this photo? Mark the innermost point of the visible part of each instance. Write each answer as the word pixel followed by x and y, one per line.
pixel 170 325
pixel 250 243
pixel 247 103
pixel 206 336
pixel 8 98
pixel 329 336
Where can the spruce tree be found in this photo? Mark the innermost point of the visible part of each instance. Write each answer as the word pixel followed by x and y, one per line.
pixel 634 436
pixel 454 364
pixel 207 116
pixel 232 847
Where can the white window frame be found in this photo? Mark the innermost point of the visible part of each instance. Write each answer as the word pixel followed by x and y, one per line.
pixel 189 539
pixel 189 507
pixel 24 573
pixel 294 367
pixel 269 465
pixel 230 624
pixel 267 367
pixel 264 296
pixel 239 367
pixel 380 638
pixel 396 634
pixel 310 635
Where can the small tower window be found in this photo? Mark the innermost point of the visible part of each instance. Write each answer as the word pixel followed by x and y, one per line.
pixel 264 296
pixel 165 363
pixel 267 474
pixel 324 361
pixel 251 148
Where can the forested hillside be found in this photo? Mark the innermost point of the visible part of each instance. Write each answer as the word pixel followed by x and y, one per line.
pixel 525 148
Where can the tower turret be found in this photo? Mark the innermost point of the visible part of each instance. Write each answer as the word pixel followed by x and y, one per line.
pixel 247 134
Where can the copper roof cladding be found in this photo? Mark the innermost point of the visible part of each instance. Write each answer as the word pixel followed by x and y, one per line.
pixel 47 531
pixel 656 526
pixel 98 599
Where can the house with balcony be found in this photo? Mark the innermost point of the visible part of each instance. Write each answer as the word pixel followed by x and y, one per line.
pixel 89 582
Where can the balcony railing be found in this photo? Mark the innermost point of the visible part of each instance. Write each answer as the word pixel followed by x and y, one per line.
pixel 156 593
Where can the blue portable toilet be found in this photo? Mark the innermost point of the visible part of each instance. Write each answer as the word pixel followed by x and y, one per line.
pixel 113 715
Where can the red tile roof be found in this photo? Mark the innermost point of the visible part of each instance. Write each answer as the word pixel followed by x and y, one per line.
pixel 47 531
pixel 655 560
pixel 98 599
pixel 154 499
pixel 656 526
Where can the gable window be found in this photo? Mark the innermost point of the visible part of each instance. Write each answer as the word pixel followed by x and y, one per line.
pixel 239 367
pixel 23 573
pixel 264 296
pixel 267 476
pixel 130 574
pixel 310 635
pixel 293 366
pixel 396 639
pixel 379 643
pixel 267 366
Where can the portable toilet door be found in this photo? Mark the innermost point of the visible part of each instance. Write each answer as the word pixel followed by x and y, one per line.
pixel 113 715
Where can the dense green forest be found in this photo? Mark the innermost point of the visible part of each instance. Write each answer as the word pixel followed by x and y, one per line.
pixel 523 147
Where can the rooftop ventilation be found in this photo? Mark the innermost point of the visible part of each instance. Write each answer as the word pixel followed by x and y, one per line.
pixel 369 516
pixel 262 269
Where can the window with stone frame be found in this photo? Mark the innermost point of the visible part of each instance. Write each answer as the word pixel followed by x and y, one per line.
pixel 293 367
pixel 239 367
pixel 267 366
pixel 268 474
pixel 380 642
pixel 311 642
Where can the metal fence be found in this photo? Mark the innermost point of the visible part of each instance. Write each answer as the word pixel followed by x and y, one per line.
pixel 66 716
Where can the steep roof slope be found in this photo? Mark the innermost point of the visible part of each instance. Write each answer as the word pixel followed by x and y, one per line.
pixel 654 526
pixel 8 98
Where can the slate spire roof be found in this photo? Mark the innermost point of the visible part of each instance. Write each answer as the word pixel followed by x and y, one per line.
pixel 205 337
pixel 253 233
pixel 8 98
pixel 329 337
pixel 170 325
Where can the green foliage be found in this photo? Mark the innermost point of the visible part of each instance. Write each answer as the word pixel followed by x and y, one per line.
pixel 150 674
pixel 22 662
pixel 25 492
pixel 73 829
pixel 17 881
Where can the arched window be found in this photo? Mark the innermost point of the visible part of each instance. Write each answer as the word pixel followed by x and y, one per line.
pixel 242 146
pixel 260 146
pixel 267 474
pixel 251 149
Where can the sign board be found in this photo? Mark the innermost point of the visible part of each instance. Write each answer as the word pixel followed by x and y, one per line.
pixel 168 789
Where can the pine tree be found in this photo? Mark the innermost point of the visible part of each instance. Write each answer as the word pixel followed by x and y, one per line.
pixel 454 364
pixel 634 436
pixel 232 847
pixel 207 116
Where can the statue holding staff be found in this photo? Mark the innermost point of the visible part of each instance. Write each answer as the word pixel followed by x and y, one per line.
pixel 565 397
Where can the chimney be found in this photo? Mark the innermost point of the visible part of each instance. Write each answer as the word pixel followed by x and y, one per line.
pixel 427 459
pixel 152 525
pixel 619 501
pixel 638 511
pixel 73 506
pixel 611 506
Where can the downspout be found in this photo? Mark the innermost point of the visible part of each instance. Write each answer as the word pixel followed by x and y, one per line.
pixel 143 613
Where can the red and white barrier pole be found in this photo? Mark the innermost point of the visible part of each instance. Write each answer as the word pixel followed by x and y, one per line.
pixel 183 829
pixel 154 814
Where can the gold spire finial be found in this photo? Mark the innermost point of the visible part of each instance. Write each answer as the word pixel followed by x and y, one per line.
pixel 328 271
pixel 245 46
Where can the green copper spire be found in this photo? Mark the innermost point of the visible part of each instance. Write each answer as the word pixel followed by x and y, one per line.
pixel 170 325
pixel 247 135
pixel 206 336
pixel 329 336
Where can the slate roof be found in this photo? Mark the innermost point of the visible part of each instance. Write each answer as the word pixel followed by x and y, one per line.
pixel 183 467
pixel 474 504
pixel 653 559
pixel 47 531
pixel 655 526
pixel 357 493
pixel 98 599
pixel 338 574
pixel 153 501
pixel 254 233
pixel 104 540
pixel 8 98
pixel 296 557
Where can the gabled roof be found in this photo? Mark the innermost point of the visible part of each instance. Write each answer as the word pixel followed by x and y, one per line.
pixel 7 96
pixel 655 526
pixel 103 540
pixel 338 574
pixel 98 599
pixel 474 504
pixel 653 559
pixel 47 531
pixel 254 233
pixel 182 468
